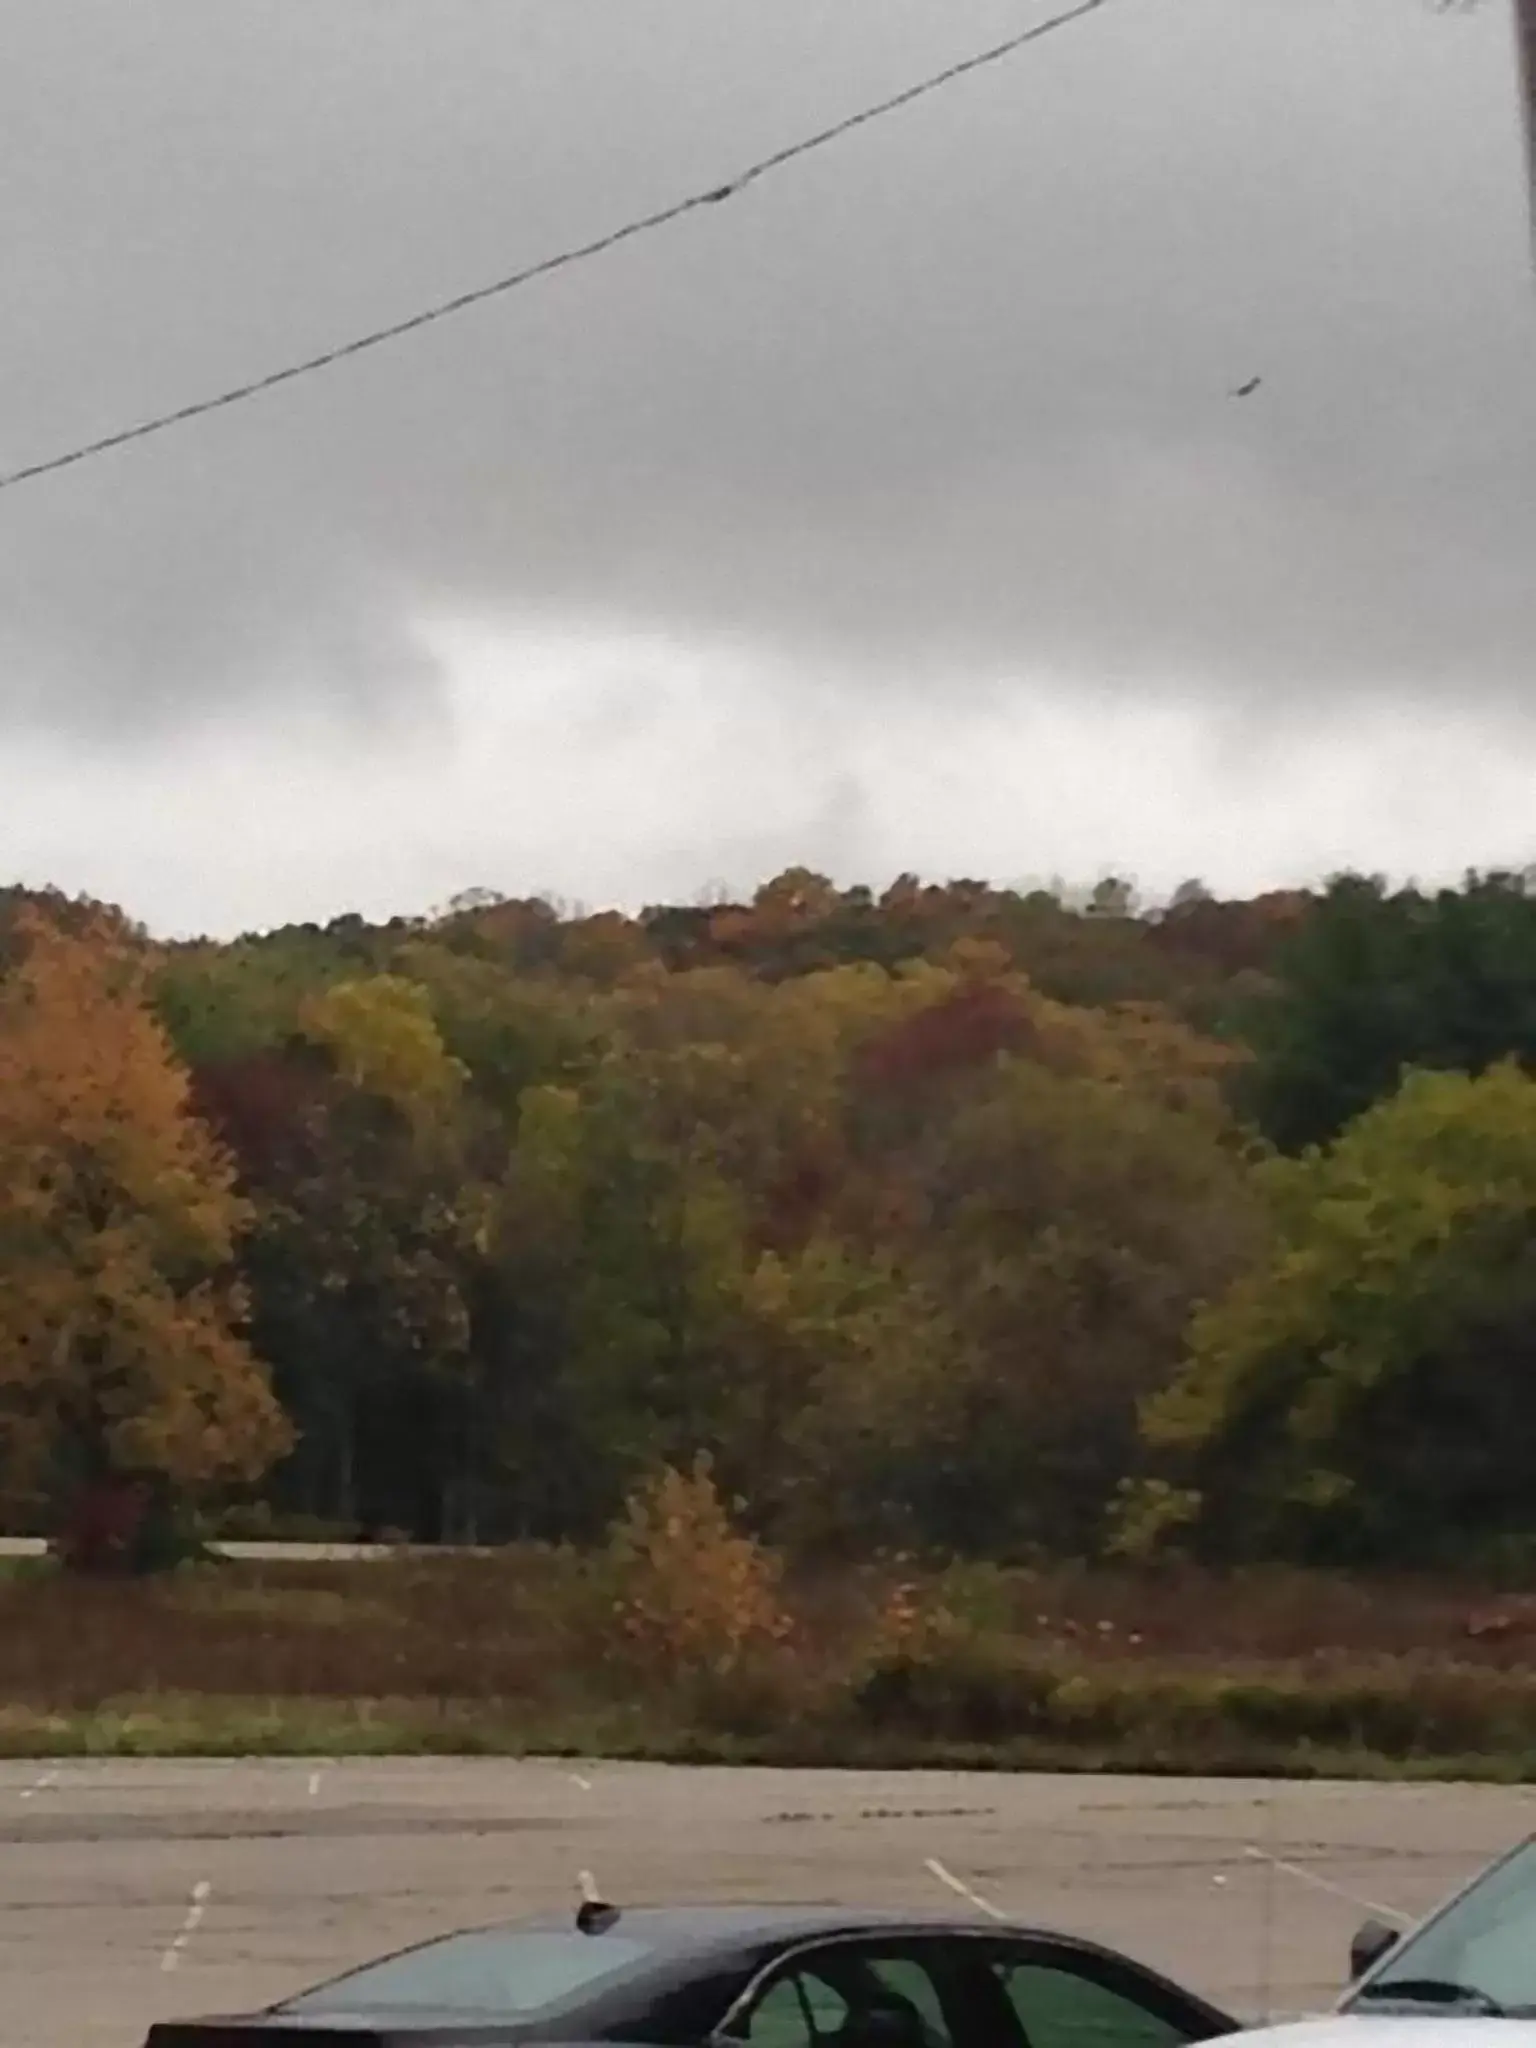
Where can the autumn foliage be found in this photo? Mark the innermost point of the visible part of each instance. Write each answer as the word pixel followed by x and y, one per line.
pixel 952 1220
pixel 120 1358
pixel 698 1594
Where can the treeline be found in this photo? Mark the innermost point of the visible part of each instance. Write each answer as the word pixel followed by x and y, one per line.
pixel 951 1219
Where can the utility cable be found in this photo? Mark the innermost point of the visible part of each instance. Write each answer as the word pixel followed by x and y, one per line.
pixel 583 252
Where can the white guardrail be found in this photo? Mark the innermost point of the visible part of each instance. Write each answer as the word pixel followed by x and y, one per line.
pixel 289 1553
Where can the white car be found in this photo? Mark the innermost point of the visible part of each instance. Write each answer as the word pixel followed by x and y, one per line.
pixel 1463 1978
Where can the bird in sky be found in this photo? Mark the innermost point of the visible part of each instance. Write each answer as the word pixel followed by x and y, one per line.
pixel 1247 390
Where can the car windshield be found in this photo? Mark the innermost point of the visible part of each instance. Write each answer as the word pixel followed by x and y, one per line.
pixel 1478 1955
pixel 491 1971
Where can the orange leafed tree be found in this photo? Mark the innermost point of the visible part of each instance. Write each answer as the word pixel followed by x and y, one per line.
pixel 120 1358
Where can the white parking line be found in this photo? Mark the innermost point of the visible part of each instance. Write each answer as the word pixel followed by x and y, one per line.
pixel 201 1893
pixel 946 1876
pixel 45 1783
pixel 1326 1884
pixel 582 1784
pixel 314 1783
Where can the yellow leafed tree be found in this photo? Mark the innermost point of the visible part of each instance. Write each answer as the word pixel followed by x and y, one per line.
pixel 120 1358
pixel 384 1037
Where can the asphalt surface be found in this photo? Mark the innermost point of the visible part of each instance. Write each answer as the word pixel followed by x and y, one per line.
pixel 133 1891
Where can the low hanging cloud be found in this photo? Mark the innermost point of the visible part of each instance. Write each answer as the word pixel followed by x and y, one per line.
pixel 948 403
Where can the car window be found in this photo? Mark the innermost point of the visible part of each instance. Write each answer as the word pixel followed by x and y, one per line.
pixel 490 1971
pixel 910 1980
pixel 798 2011
pixel 1483 1941
pixel 1059 2006
pixel 822 2001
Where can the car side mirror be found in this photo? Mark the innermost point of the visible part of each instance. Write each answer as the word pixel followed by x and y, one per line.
pixel 1370 1944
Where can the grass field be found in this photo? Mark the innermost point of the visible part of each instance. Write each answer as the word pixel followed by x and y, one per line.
pixel 537 1652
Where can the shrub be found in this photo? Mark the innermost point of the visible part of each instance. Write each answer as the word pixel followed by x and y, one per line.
pixel 698 1598
pixel 973 1688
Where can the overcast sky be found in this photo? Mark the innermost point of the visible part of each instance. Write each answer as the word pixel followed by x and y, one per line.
pixel 893 515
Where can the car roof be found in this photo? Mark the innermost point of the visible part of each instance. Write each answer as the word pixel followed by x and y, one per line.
pixel 678 1928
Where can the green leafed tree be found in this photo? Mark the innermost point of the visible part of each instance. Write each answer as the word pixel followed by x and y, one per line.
pixel 1369 1390
pixel 1373 982
pixel 368 1219
pixel 1069 1225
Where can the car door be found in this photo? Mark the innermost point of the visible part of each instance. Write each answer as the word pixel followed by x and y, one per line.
pixel 1064 1994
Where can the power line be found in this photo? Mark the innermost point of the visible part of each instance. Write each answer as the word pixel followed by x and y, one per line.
pixel 584 252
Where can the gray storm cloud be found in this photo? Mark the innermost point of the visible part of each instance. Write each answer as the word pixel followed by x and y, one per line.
pixel 952 396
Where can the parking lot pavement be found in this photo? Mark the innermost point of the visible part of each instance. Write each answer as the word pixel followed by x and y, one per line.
pixel 133 1891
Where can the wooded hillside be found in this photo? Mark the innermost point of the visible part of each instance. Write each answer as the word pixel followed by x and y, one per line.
pixel 949 1219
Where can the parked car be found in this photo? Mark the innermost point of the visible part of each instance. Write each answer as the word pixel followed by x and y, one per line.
pixel 1471 1963
pixel 722 1977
